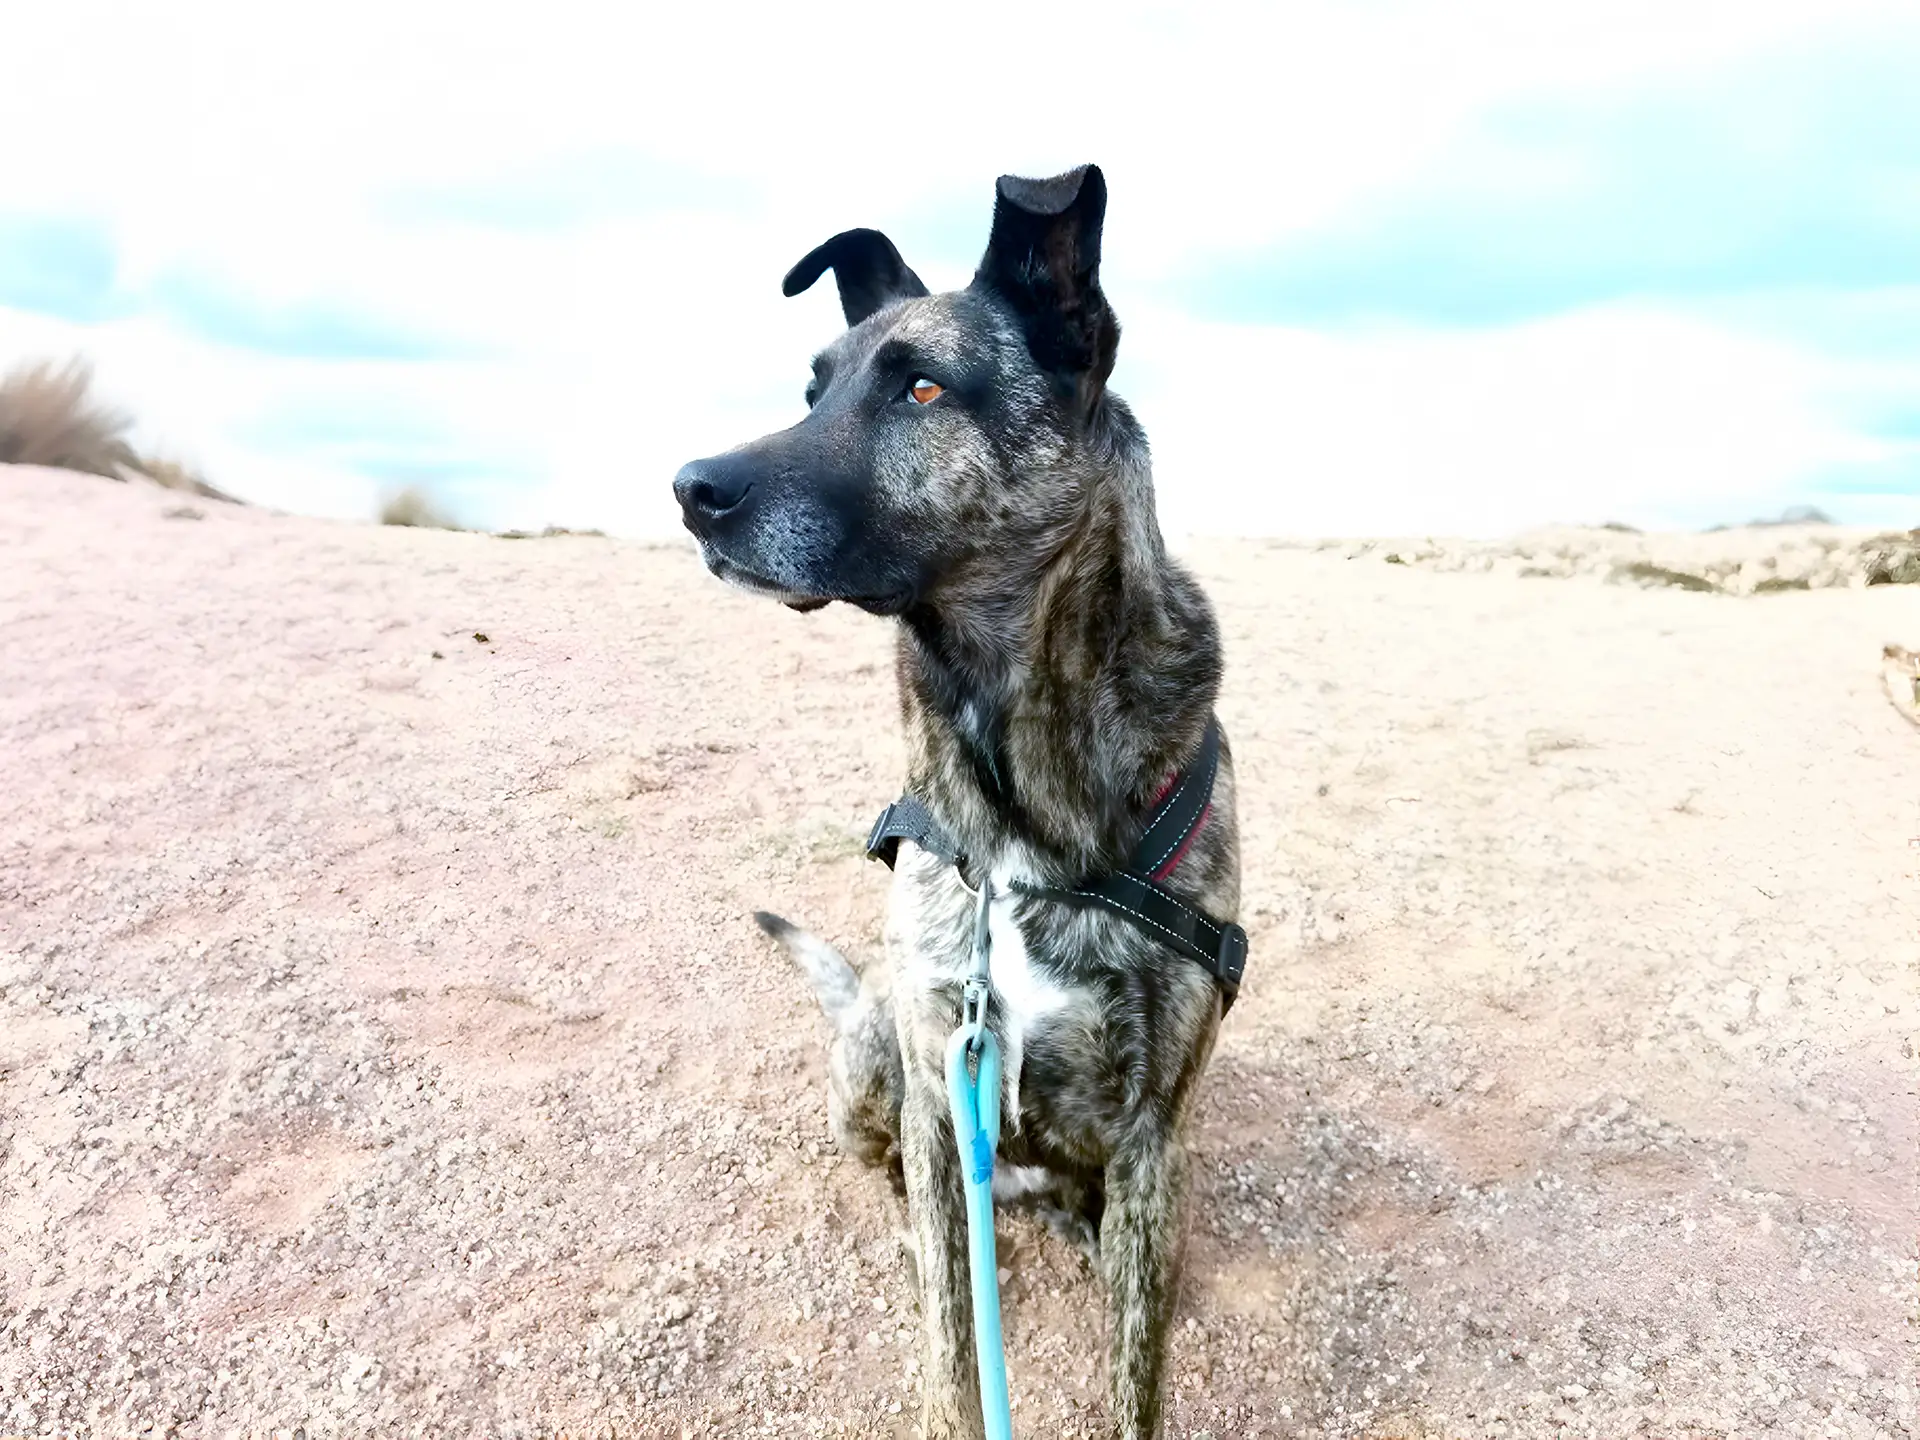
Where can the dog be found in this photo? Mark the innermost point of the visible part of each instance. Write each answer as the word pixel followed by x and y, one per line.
pixel 964 469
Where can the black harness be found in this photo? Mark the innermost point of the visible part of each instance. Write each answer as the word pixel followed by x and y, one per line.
pixel 1135 893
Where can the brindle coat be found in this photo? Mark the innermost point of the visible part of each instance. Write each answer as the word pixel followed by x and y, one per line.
pixel 1055 668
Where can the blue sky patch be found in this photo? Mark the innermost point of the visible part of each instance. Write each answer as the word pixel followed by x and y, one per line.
pixel 1787 175
pixel 1898 424
pixel 348 424
pixel 395 444
pixel 64 267
pixel 302 329
pixel 1898 475
pixel 567 191
pixel 438 471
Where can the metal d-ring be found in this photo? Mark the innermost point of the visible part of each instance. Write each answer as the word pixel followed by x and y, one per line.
pixel 979 984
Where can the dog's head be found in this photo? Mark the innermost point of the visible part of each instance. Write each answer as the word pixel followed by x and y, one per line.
pixel 941 429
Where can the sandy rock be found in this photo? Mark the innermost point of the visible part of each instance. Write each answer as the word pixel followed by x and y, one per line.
pixel 386 1047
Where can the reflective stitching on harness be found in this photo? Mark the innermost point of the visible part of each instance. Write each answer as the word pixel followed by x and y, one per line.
pixel 1212 964
pixel 909 819
pixel 1181 839
pixel 1172 935
pixel 1178 904
pixel 1172 863
pixel 1169 803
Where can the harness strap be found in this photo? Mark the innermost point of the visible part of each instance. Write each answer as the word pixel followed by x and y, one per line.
pixel 1135 893
pixel 1219 949
pixel 907 819
pixel 1180 813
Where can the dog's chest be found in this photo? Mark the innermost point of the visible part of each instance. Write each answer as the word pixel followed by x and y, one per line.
pixel 937 921
pixel 1028 993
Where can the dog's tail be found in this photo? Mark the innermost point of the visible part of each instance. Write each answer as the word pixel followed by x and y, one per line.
pixel 834 980
pixel 865 1078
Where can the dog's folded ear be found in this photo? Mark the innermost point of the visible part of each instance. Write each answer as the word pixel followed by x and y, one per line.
pixel 1044 259
pixel 869 270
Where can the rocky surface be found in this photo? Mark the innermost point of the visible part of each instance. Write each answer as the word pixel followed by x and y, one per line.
pixel 386 1048
pixel 1744 560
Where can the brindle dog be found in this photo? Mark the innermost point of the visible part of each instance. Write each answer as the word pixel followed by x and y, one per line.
pixel 964 468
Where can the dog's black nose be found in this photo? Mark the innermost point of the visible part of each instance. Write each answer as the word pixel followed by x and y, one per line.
pixel 708 489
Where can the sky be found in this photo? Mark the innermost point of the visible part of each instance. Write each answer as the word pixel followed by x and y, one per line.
pixel 1382 268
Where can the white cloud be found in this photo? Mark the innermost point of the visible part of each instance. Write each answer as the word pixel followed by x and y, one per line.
pixel 266 148
pixel 1617 413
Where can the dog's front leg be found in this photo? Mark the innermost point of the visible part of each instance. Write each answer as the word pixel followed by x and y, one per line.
pixel 937 1207
pixel 1139 1243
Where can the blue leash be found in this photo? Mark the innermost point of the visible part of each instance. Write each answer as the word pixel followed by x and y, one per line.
pixel 973 1093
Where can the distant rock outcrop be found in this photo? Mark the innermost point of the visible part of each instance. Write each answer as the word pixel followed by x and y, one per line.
pixel 1760 559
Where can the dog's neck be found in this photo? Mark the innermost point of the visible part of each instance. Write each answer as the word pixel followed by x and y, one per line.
pixel 1048 698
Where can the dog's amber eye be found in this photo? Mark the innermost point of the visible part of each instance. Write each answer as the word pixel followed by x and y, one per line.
pixel 924 391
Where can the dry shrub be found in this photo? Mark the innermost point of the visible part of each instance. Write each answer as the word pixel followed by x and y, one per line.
pixel 551 532
pixel 48 416
pixel 1892 559
pixel 413 506
pixel 171 474
pixel 1648 576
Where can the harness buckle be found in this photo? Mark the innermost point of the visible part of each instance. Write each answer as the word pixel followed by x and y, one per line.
pixel 1233 955
pixel 973 1005
pixel 1135 892
pixel 880 844
pixel 979 984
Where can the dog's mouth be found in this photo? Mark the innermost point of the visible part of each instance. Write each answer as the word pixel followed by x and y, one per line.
pixel 754 584
pixel 735 574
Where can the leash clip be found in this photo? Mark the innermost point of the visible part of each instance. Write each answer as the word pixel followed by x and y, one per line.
pixel 979 984
pixel 973 1097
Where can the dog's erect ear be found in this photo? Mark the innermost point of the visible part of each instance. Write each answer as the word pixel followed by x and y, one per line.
pixel 870 272
pixel 1044 258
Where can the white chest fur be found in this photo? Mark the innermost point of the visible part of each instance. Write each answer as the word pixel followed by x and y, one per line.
pixel 933 917
pixel 1027 993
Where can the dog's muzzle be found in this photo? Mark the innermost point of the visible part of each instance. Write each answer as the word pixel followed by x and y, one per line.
pixel 709 491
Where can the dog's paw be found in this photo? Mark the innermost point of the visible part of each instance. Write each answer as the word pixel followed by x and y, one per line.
pixel 1074 1228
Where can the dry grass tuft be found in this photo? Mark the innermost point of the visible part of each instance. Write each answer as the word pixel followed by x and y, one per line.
pixel 1892 559
pixel 1647 575
pixel 413 506
pixel 171 474
pixel 48 416
pixel 550 533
